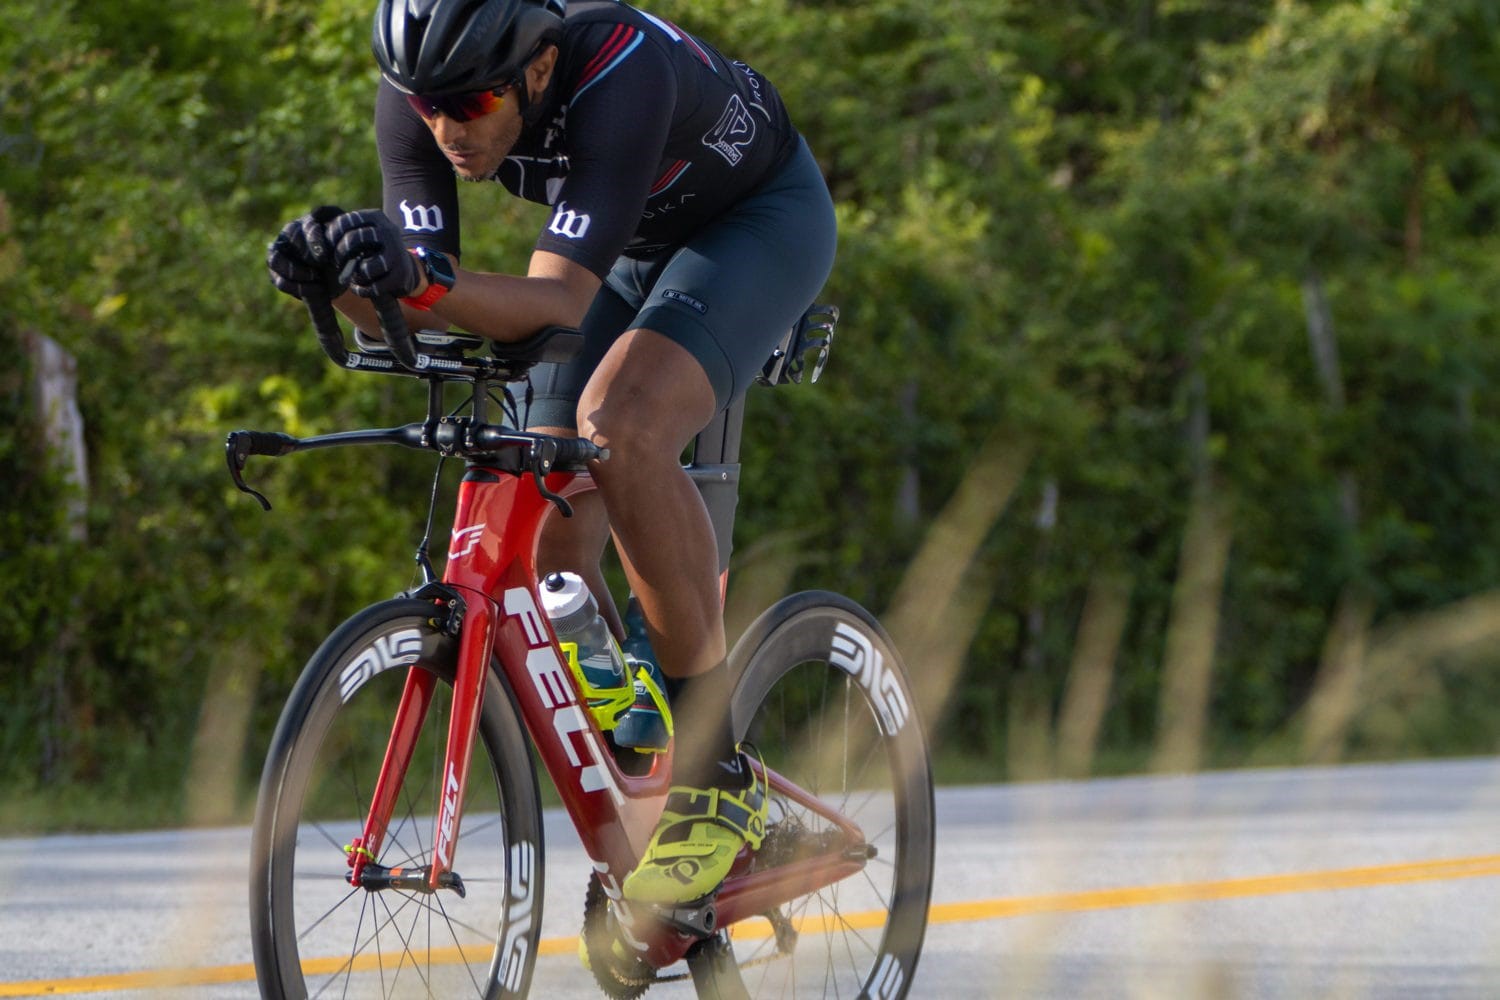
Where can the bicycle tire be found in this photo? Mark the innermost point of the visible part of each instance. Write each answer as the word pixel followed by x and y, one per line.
pixel 815 672
pixel 314 933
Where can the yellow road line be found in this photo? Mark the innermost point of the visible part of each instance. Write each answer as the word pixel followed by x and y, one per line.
pixel 941 913
pixel 1237 888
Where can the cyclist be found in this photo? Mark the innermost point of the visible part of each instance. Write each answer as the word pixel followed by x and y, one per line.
pixel 690 227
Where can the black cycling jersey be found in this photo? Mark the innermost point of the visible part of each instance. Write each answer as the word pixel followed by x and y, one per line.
pixel 645 133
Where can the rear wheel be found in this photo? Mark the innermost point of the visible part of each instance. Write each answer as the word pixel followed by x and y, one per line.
pixel 316 935
pixel 824 698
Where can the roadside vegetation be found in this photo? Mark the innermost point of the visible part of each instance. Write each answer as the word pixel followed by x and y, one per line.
pixel 1162 427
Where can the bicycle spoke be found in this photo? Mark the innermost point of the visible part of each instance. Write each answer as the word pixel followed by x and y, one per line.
pixel 422 906
pixel 395 847
pixel 478 990
pixel 873 754
pixel 851 931
pixel 827 736
pixel 880 894
pixel 319 876
pixel 379 953
pixel 332 840
pixel 454 921
pixel 474 831
pixel 889 828
pixel 853 962
pixel 822 715
pixel 828 977
pixel 327 913
pixel 347 968
pixel 849 810
pixel 765 969
pixel 410 797
pixel 406 951
pixel 391 937
pixel 845 755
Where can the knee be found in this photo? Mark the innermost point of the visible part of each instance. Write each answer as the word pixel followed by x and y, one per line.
pixel 646 400
pixel 631 425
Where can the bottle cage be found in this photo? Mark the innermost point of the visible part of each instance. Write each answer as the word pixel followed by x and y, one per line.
pixel 803 352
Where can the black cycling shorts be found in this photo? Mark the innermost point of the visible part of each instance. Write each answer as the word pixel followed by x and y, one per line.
pixel 728 295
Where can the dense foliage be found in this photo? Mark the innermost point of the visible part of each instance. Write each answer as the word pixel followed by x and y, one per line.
pixel 1168 372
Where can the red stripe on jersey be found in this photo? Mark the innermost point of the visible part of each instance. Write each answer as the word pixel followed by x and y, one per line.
pixel 693 44
pixel 666 179
pixel 623 33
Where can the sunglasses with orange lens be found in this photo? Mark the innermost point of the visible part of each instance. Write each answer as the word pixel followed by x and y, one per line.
pixel 459 107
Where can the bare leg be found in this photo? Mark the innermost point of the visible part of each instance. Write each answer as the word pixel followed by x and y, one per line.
pixel 576 544
pixel 646 401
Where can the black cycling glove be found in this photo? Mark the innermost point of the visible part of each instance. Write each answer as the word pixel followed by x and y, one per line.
pixel 301 258
pixel 371 255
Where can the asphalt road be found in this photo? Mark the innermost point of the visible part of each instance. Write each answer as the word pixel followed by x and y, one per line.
pixel 1359 882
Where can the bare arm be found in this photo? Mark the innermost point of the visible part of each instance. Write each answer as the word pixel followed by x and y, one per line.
pixel 554 292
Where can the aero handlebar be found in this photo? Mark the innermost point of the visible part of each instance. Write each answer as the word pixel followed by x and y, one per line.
pixel 392 327
pixel 465 437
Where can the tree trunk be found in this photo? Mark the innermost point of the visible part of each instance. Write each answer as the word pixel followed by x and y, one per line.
pixel 1412 235
pixel 1029 725
pixel 1193 632
pixel 1335 699
pixel 55 391
pixel 909 493
pixel 55 375
pixel 1091 672
pixel 940 602
pixel 1187 671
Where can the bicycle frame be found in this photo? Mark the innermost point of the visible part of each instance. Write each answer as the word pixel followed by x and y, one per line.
pixel 490 586
pixel 491 565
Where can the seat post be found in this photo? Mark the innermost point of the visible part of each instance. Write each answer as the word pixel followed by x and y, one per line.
pixel 715 470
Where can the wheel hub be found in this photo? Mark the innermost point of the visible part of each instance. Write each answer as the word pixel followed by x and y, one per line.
pixel 377 878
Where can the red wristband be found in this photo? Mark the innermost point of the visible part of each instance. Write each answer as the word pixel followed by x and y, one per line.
pixel 435 289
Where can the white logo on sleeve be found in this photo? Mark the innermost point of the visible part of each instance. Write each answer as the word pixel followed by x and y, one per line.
pixel 568 223
pixel 422 218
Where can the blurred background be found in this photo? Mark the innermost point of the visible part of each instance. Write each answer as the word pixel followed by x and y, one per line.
pixel 1162 427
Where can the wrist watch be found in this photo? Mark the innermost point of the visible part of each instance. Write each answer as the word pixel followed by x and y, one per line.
pixel 439 278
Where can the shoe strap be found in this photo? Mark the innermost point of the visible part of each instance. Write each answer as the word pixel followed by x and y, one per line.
pixel 743 812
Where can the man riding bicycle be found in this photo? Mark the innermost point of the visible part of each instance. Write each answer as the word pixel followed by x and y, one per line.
pixel 690 228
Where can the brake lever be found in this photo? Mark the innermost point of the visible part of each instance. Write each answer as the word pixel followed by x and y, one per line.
pixel 543 458
pixel 237 453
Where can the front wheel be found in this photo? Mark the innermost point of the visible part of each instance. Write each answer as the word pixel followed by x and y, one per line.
pixel 823 696
pixel 316 935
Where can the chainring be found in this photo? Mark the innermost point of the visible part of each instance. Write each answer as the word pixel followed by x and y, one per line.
pixel 622 981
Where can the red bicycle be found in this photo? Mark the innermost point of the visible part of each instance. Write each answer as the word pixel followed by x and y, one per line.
pixel 398 846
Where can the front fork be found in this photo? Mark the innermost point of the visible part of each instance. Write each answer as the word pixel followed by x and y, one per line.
pixel 476 641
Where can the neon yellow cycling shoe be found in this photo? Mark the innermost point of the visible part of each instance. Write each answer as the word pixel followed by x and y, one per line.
pixel 700 833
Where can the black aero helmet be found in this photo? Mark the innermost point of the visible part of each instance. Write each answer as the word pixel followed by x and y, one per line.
pixel 453 46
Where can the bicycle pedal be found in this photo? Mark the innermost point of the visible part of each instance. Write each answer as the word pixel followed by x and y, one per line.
pixel 697 919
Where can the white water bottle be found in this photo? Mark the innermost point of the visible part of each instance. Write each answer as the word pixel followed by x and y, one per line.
pixel 575 618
